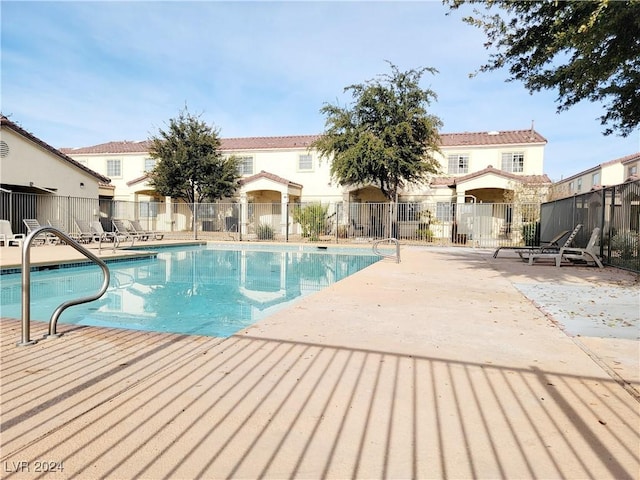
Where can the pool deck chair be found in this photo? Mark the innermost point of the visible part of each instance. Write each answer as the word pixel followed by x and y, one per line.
pixel 574 255
pixel 123 232
pixel 7 237
pixel 45 238
pixel 84 233
pixel 137 228
pixel 553 244
pixel 101 235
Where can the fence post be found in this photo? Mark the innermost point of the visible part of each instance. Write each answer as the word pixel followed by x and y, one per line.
pixel 195 220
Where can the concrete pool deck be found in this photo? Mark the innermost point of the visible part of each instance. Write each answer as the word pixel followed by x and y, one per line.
pixel 437 367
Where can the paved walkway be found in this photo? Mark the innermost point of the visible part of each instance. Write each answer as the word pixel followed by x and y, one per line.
pixel 437 367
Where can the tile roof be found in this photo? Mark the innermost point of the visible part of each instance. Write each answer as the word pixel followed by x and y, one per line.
pixel 509 137
pixel 6 123
pixel 265 143
pixel 124 146
pixel 529 179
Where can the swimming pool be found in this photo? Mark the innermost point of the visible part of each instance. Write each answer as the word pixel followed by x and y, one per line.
pixel 213 290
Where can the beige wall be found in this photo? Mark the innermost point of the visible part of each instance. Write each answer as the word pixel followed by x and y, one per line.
pixel 317 184
pixel 131 165
pixel 28 163
pixel 480 157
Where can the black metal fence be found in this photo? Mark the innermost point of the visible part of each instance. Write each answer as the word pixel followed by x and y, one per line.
pixel 615 210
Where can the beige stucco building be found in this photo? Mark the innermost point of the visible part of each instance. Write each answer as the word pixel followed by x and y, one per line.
pixel 61 185
pixel 30 165
pixel 478 167
pixel 613 172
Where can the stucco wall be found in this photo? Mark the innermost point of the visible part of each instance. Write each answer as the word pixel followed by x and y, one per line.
pixel 28 163
pixel 480 157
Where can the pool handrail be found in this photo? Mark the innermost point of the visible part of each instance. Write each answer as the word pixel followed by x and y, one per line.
pixel 26 283
pixel 386 255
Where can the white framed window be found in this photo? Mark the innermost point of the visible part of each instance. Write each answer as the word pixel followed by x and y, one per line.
pixel 245 165
pixel 305 163
pixel 579 185
pixel 458 163
pixel 595 178
pixel 149 164
pixel 513 162
pixel 572 186
pixel 632 170
pixel 114 168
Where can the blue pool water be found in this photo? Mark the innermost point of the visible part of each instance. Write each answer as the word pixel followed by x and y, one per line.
pixel 213 290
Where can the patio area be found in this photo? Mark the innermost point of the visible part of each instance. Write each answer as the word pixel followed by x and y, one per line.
pixel 440 366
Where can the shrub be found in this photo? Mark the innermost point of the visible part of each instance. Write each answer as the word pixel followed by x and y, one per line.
pixel 265 232
pixel 312 219
pixel 625 244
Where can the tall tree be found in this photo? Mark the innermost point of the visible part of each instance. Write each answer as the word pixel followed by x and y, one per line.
pixel 190 165
pixel 588 50
pixel 386 136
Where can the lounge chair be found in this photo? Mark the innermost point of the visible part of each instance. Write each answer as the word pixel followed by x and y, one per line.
pixel 7 237
pixel 550 246
pixel 122 230
pixel 101 235
pixel 574 255
pixel 85 234
pixel 137 228
pixel 58 225
pixel 46 238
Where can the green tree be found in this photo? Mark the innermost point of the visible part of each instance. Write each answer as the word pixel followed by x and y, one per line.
pixel 385 137
pixel 190 165
pixel 588 50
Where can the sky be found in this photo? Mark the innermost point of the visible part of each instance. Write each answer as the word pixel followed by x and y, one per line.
pixel 77 74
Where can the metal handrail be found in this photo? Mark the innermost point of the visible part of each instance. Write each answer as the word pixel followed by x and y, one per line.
pixel 26 283
pixel 386 255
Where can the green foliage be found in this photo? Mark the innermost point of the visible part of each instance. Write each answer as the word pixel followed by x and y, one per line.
pixel 588 50
pixel 425 234
pixel 190 165
pixel 386 137
pixel 625 244
pixel 312 218
pixel 265 232
pixel 530 234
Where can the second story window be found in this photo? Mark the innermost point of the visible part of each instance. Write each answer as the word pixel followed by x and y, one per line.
pixel 572 186
pixel 632 170
pixel 305 163
pixel 458 163
pixel 114 168
pixel 149 164
pixel 513 162
pixel 245 165
pixel 595 179
pixel 579 185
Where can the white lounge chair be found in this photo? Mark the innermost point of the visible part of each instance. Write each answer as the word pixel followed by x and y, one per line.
pixel 123 231
pixel 7 237
pixel 137 228
pixel 574 255
pixel 85 234
pixel 549 252
pixel 46 238
pixel 588 254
